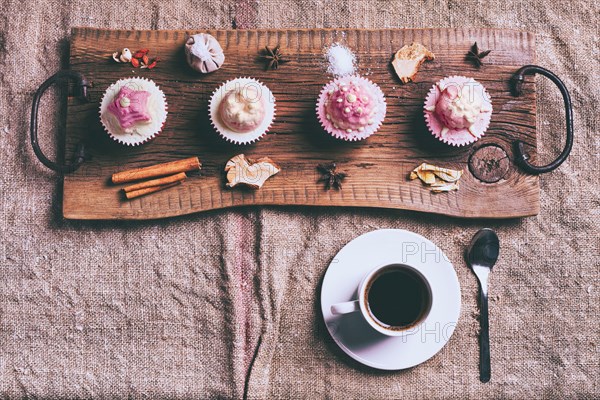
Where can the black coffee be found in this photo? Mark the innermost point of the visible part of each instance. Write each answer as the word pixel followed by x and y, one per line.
pixel 397 297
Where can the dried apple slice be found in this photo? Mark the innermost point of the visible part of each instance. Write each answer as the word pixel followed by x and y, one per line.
pixel 241 171
pixel 408 59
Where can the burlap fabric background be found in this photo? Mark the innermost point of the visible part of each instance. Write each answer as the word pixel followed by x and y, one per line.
pixel 185 307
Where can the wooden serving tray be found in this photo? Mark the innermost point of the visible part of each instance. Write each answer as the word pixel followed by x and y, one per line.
pixel 378 168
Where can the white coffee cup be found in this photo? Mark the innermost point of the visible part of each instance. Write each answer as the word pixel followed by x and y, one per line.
pixel 362 303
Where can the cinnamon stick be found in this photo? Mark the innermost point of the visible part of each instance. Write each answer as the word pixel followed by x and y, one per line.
pixel 154 171
pixel 153 189
pixel 156 182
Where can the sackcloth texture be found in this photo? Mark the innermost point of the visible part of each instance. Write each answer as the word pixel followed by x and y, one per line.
pixel 224 304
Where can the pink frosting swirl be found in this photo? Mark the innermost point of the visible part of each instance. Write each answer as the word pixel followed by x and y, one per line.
pixel 459 106
pixel 130 107
pixel 350 107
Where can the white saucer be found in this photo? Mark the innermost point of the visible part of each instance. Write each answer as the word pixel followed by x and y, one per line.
pixel 354 335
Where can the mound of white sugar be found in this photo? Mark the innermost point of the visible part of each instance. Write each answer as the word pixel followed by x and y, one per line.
pixel 341 60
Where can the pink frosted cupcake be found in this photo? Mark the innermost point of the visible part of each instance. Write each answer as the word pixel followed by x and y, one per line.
pixel 133 111
pixel 242 110
pixel 458 110
pixel 351 108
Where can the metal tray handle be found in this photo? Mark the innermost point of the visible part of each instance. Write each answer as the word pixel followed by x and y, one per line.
pixel 521 158
pixel 79 157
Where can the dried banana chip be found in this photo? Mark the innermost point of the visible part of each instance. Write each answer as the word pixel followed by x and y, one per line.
pixel 448 177
pixel 447 174
pixel 426 176
pixel 438 178
pixel 444 187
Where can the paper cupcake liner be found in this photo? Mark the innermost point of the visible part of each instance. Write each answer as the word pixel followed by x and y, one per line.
pixel 135 138
pixel 355 135
pixel 241 137
pixel 455 137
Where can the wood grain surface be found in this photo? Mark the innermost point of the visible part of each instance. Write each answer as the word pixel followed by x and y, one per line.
pixel 378 168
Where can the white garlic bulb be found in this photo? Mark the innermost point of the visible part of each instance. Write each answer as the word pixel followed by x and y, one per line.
pixel 125 55
pixel 204 53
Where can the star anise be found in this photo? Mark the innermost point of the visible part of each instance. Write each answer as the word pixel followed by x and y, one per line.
pixel 331 176
pixel 273 57
pixel 475 56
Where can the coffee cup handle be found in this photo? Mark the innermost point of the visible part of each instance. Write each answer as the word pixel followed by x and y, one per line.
pixel 345 308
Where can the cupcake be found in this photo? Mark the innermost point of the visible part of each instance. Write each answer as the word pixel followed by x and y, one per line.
pixel 351 108
pixel 242 110
pixel 458 110
pixel 133 111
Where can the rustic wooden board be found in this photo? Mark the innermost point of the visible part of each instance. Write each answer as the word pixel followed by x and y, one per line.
pixel 378 167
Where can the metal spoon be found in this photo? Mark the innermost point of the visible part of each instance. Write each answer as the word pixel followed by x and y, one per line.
pixel 481 257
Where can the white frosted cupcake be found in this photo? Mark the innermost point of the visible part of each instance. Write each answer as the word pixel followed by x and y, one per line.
pixel 458 110
pixel 133 111
pixel 242 110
